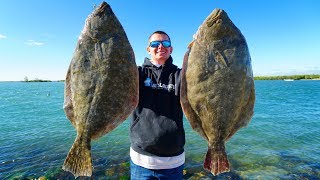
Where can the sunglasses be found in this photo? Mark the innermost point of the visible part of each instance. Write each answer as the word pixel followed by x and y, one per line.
pixel 156 44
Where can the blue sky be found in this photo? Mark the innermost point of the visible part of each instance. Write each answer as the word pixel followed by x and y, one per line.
pixel 38 38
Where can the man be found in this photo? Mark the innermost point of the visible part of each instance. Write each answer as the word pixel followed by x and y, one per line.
pixel 156 132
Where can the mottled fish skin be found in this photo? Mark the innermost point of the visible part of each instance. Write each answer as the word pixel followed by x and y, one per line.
pixel 101 87
pixel 217 87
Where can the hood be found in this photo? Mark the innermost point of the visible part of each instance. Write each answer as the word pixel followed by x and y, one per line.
pixel 147 62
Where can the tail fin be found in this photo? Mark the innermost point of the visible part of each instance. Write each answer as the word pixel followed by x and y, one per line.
pixel 216 161
pixel 78 161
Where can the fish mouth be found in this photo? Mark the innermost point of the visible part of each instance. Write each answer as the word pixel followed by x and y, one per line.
pixel 214 17
pixel 102 8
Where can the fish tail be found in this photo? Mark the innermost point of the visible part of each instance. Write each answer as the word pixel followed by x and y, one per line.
pixel 79 161
pixel 216 161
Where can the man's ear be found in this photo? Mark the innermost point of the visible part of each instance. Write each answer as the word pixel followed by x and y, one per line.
pixel 148 50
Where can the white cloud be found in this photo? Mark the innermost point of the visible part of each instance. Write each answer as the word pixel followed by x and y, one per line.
pixel 2 36
pixel 34 43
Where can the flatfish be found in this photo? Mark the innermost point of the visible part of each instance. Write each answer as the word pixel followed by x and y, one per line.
pixel 217 88
pixel 101 87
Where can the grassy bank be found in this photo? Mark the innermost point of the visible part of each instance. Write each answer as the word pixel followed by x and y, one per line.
pixel 38 80
pixel 294 77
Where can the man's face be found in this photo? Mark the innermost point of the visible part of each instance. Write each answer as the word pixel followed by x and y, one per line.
pixel 159 54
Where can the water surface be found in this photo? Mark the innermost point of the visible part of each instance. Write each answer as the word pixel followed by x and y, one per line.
pixel 282 140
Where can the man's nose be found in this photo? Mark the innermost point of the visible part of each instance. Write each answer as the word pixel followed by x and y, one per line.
pixel 160 46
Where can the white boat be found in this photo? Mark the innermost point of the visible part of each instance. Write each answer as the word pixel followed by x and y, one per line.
pixel 288 79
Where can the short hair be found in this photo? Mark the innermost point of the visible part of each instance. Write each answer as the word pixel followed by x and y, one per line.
pixel 159 32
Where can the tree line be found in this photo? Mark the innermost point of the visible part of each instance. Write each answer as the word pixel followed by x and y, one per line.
pixel 294 77
pixel 26 79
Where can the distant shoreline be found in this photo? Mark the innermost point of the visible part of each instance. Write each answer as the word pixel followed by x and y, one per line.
pixel 290 77
pixel 38 80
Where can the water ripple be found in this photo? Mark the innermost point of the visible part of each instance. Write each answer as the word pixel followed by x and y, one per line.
pixel 281 142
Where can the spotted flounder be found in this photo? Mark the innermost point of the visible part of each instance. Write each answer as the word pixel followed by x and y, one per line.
pixel 101 87
pixel 217 90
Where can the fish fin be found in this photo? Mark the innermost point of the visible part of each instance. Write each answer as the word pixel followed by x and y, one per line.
pixel 245 116
pixel 79 161
pixel 216 161
pixel 190 44
pixel 67 105
pixel 191 116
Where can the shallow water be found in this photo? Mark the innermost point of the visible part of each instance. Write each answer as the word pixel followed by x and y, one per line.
pixel 282 140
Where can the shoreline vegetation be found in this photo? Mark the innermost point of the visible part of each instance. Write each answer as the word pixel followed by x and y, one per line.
pixel 290 77
pixel 40 80
pixel 26 79
pixel 286 78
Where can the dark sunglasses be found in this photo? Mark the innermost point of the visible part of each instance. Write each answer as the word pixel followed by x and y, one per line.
pixel 156 44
